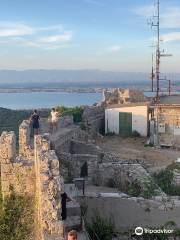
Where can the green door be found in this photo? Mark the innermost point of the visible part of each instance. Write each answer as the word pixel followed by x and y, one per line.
pixel 125 124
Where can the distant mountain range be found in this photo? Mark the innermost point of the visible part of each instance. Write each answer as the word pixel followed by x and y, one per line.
pixel 73 78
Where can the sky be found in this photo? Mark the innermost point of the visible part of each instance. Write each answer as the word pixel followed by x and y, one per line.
pixel 111 35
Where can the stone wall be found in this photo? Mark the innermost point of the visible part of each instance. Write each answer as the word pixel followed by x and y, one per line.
pixel 167 125
pixel 78 147
pixel 121 175
pixel 72 164
pixel 35 172
pixel 128 213
pixel 25 148
pixel 16 172
pixel 62 141
pixel 48 186
pixel 93 118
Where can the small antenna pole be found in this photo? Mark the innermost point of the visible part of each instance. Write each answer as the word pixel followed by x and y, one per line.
pixel 152 74
pixel 169 87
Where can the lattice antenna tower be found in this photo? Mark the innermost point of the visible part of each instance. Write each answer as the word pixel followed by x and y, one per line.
pixel 155 22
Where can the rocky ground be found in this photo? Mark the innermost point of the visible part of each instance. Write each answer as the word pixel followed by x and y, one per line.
pixel 133 148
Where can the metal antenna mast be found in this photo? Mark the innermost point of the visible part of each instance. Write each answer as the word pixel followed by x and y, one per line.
pixel 158 55
pixel 156 23
pixel 152 74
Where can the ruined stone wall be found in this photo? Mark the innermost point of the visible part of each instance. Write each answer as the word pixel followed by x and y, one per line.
pixel 62 142
pixel 25 148
pixel 94 117
pixel 48 186
pixel 16 172
pixel 36 174
pixel 121 175
pixel 79 147
pixel 72 164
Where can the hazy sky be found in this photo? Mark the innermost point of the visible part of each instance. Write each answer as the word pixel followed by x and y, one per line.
pixel 86 34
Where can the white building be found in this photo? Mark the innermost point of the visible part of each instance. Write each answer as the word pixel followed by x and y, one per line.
pixel 125 118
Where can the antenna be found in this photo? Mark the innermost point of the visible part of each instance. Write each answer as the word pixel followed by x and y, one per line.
pixel 159 53
pixel 152 73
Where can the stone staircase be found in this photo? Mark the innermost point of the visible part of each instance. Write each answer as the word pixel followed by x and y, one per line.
pixel 73 220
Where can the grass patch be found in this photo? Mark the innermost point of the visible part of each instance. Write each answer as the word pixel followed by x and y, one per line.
pixel 100 228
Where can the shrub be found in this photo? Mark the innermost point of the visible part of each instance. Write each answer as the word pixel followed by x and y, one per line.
pixel 134 190
pixel 165 180
pixel 16 218
pixel 76 112
pixel 100 228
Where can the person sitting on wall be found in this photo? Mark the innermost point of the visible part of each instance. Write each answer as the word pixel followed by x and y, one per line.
pixel 72 235
pixel 35 122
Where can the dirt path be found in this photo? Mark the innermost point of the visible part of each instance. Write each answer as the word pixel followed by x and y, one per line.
pixel 133 148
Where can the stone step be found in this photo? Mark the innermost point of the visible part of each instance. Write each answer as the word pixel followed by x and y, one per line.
pixel 73 209
pixel 73 222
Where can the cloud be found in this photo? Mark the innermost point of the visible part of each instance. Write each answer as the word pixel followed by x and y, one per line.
pixel 46 37
pixel 16 29
pixel 114 48
pixel 170 37
pixel 169 16
pixel 65 37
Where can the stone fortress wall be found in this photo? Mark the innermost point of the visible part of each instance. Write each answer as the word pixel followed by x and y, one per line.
pixel 35 171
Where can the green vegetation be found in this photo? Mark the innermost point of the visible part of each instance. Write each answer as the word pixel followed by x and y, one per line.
pixel 16 217
pixel 100 228
pixel 76 112
pixel 134 190
pixel 11 119
pixel 165 180
pixel 149 188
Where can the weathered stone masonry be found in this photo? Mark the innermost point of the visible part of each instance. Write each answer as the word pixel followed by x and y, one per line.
pixel 34 172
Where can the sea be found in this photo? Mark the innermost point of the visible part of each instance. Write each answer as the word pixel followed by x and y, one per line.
pixel 32 100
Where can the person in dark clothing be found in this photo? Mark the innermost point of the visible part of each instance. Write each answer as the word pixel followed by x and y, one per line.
pixel 35 122
pixel 64 199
